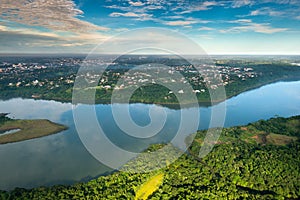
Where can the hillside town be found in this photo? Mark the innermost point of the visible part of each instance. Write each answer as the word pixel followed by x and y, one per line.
pixel 59 72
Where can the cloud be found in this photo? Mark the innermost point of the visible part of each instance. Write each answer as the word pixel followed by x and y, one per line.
pixel 122 29
pixel 186 22
pixel 33 40
pixel 247 25
pixel 287 2
pixel 128 14
pixel 149 39
pixel 137 3
pixel 181 6
pixel 53 14
pixel 241 21
pixel 174 17
pixel 139 10
pixel 199 6
pixel 137 7
pixel 3 28
pixel 180 23
pixel 138 16
pixel 14 41
pixel 241 3
pixel 204 28
pixel 266 11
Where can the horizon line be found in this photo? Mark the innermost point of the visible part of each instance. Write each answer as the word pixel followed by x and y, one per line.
pixel 153 54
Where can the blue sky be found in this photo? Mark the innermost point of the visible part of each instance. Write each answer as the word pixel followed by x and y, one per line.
pixel 219 27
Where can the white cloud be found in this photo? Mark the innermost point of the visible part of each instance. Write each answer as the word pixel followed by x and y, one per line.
pixel 3 28
pixel 199 6
pixel 241 21
pixel 204 28
pixel 186 22
pixel 181 6
pixel 154 7
pixel 15 38
pixel 128 14
pixel 122 29
pixel 139 16
pixel 138 7
pixel 174 17
pixel 262 28
pixel 247 25
pixel 290 2
pixel 266 11
pixel 241 3
pixel 52 14
pixel 180 23
pixel 137 3
pixel 149 38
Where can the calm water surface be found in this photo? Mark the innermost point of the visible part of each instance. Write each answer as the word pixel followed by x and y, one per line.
pixel 62 158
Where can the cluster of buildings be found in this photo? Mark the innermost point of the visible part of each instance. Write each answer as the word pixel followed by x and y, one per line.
pixel 31 74
pixel 200 78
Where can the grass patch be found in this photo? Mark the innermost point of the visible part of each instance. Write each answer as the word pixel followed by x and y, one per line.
pixel 29 129
pixel 149 187
pixel 277 139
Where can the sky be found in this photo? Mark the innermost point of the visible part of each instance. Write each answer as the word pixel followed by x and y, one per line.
pixel 218 27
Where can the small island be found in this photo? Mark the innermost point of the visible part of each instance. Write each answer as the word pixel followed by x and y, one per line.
pixel 16 130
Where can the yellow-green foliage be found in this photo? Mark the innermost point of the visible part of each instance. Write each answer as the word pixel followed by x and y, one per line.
pixel 149 187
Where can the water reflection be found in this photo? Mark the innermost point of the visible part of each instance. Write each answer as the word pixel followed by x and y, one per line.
pixel 61 158
pixel 10 131
pixel 34 109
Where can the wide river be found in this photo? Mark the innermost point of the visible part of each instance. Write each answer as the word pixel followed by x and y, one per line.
pixel 63 159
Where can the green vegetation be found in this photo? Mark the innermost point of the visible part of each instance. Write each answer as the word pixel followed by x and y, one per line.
pixel 270 72
pixel 239 167
pixel 29 129
pixel 149 187
pixel 53 79
pixel 3 118
pixel 275 131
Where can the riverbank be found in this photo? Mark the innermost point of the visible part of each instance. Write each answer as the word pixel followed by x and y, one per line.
pixel 240 166
pixel 177 105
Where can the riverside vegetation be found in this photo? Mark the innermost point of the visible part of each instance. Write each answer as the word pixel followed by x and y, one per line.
pixel 53 78
pixel 257 161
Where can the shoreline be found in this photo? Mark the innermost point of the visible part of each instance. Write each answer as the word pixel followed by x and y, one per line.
pixel 171 105
pixel 280 141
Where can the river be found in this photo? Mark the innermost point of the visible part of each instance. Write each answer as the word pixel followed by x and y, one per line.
pixel 63 159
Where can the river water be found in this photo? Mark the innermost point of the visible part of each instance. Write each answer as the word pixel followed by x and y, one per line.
pixel 63 159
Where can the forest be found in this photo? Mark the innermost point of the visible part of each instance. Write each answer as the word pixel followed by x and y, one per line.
pixel 258 161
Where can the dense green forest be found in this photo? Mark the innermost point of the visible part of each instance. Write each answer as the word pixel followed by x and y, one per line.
pixel 257 161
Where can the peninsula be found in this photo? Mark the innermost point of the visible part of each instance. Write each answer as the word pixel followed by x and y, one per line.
pixel 16 130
